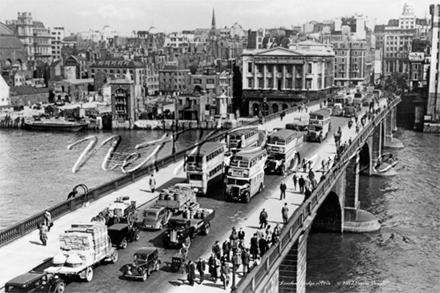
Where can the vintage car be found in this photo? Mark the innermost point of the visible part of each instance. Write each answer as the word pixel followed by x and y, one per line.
pixel 145 261
pixel 153 217
pixel 36 282
pixel 121 234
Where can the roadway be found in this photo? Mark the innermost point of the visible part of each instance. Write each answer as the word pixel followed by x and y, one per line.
pixel 23 254
pixel 228 214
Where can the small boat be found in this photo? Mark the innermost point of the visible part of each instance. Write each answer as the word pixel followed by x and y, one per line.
pixel 387 161
pixel 55 125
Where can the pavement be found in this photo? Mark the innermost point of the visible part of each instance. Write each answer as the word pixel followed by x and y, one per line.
pixel 26 253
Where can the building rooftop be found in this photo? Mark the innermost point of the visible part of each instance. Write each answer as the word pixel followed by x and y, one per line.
pixel 118 63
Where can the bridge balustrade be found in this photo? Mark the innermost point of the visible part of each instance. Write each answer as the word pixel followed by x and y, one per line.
pixel 295 225
pixel 30 224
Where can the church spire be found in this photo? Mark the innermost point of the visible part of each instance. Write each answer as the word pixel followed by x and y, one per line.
pixel 213 20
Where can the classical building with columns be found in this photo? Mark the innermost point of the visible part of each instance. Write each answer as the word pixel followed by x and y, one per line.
pixel 278 78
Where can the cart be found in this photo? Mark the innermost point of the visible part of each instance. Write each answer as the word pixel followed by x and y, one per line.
pixel 178 263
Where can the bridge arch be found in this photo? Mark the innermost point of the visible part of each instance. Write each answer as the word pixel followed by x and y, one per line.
pixel 364 158
pixel 329 217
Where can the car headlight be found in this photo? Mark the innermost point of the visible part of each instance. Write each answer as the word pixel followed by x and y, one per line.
pixel 196 189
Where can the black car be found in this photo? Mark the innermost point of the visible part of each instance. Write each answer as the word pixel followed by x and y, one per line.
pixel 36 282
pixel 145 261
pixel 121 234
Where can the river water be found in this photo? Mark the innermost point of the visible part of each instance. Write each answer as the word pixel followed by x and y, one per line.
pixel 404 256
pixel 36 167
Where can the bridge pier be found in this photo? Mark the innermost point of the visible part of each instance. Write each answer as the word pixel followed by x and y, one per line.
pixel 292 271
pixel 355 219
pixel 389 125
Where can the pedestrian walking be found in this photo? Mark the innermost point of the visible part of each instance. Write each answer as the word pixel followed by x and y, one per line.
pixel 268 234
pixel 234 238
pixel 226 250
pixel 191 272
pixel 304 164
pixel 276 235
pixel 301 183
pixel 217 269
pixel 254 246
pixel 245 260
pixel 224 274
pixel 283 168
pixel 241 235
pixel 311 174
pixel 201 265
pixel 212 271
pixel 48 220
pixel 262 244
pixel 307 194
pixel 263 219
pixel 285 213
pixel 152 183
pixel 43 233
pixel 283 188
pixel 216 249
pixel 236 261
pixel 295 180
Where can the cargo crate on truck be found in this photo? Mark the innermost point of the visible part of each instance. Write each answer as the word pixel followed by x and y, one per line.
pixel 82 247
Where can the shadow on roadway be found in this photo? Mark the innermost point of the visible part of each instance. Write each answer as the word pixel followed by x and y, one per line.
pixel 36 243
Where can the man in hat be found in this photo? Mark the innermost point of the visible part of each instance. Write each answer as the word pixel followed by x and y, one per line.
pixel 43 233
pixel 48 220
pixel 201 269
pixel 152 183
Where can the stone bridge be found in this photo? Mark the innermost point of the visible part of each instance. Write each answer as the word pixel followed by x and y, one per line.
pixel 333 206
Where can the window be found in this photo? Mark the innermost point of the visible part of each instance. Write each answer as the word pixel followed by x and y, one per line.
pixel 250 67
pixel 309 68
pixel 250 82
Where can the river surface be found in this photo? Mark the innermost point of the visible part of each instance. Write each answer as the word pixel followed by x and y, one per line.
pixel 36 167
pixel 404 256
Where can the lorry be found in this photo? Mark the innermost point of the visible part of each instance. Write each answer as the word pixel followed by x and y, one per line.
pixel 82 247
pixel 184 226
pixel 174 200
pixel 122 210
pixel 122 233
pixel 357 101
pixel 350 111
pixel 337 110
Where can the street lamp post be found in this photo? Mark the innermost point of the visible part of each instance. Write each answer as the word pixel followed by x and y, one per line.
pixel 234 286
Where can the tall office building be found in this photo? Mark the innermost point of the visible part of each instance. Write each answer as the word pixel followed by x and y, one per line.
pixel 433 107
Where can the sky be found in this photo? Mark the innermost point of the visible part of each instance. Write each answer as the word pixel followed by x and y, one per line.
pixel 169 16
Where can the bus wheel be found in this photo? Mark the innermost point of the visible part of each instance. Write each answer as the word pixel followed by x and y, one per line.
pixel 260 190
pixel 246 197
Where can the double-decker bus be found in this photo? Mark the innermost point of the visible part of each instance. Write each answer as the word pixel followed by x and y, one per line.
pixel 245 175
pixel 281 147
pixel 242 138
pixel 319 125
pixel 204 166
